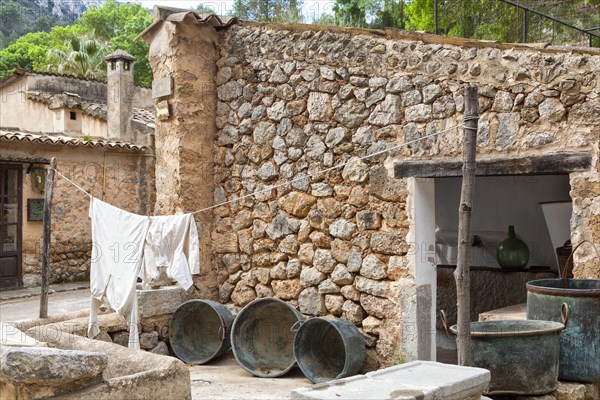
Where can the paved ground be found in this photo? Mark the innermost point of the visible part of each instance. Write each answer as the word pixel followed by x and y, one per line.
pixel 14 306
pixel 224 379
pixel 35 291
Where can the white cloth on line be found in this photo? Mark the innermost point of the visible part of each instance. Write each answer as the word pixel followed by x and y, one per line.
pixel 172 242
pixel 117 250
pixel 123 244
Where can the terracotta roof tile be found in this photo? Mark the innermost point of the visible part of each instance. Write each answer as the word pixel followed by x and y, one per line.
pixel 17 136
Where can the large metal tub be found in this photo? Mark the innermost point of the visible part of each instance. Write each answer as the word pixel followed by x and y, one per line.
pixel 327 349
pixel 522 356
pixel 199 331
pixel 580 341
pixel 262 339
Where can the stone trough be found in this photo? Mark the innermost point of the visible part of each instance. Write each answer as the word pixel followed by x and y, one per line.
pixel 54 359
pixel 74 367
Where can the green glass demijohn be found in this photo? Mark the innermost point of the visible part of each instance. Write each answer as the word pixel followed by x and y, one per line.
pixel 512 252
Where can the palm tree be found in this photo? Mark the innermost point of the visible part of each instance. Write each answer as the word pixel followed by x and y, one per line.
pixel 84 58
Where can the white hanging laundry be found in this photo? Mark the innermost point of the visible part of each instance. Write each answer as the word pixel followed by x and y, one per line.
pixel 172 242
pixel 117 255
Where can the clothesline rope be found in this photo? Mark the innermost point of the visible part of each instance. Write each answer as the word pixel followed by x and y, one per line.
pixel 308 176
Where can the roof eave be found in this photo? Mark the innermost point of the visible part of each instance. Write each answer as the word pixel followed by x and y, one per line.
pixel 177 15
pixel 63 140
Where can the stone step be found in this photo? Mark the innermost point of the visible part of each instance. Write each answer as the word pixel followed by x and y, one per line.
pixel 415 380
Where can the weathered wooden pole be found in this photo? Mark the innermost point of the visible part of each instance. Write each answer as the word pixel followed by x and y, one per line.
pixel 46 245
pixel 461 274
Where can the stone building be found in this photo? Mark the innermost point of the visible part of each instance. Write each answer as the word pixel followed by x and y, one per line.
pixel 273 109
pixel 101 134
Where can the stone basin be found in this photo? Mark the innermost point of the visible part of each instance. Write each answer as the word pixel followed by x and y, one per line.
pixel 75 367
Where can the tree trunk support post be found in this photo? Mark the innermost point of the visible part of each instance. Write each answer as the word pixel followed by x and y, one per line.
pixel 461 274
pixel 46 244
pixel 525 25
pixel 436 17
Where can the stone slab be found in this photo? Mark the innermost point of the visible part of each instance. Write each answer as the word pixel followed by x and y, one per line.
pixel 516 312
pixel 155 302
pixel 415 380
pixel 78 326
pixel 46 366
pixel 26 324
pixel 130 374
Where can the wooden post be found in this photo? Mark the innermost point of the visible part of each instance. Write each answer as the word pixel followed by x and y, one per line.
pixel 461 274
pixel 46 245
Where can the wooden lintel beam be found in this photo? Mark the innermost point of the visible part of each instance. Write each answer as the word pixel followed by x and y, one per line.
pixel 560 163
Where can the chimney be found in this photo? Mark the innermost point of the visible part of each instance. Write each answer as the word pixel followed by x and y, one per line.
pixel 120 94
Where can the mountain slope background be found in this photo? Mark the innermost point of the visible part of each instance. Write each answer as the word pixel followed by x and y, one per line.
pixel 109 26
pixel 19 17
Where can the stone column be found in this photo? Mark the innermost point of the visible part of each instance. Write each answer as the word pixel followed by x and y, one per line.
pixel 120 100
pixel 187 52
pixel 585 222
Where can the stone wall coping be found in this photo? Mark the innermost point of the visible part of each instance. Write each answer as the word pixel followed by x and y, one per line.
pixel 177 15
pixel 425 37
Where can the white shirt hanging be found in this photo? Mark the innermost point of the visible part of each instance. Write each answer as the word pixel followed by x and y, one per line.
pixel 117 255
pixel 172 242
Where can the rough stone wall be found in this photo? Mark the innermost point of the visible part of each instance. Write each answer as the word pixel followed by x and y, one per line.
pixel 293 101
pixel 128 184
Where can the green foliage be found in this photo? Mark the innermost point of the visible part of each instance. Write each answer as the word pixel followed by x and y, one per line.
pixel 370 14
pixel 382 13
pixel 351 12
pixel 325 19
pixel 283 11
pixel 471 18
pixel 419 15
pixel 11 18
pixel 83 58
pixel 495 20
pixel 109 27
pixel 389 14
pixel 118 24
pixel 31 51
pixel 480 19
